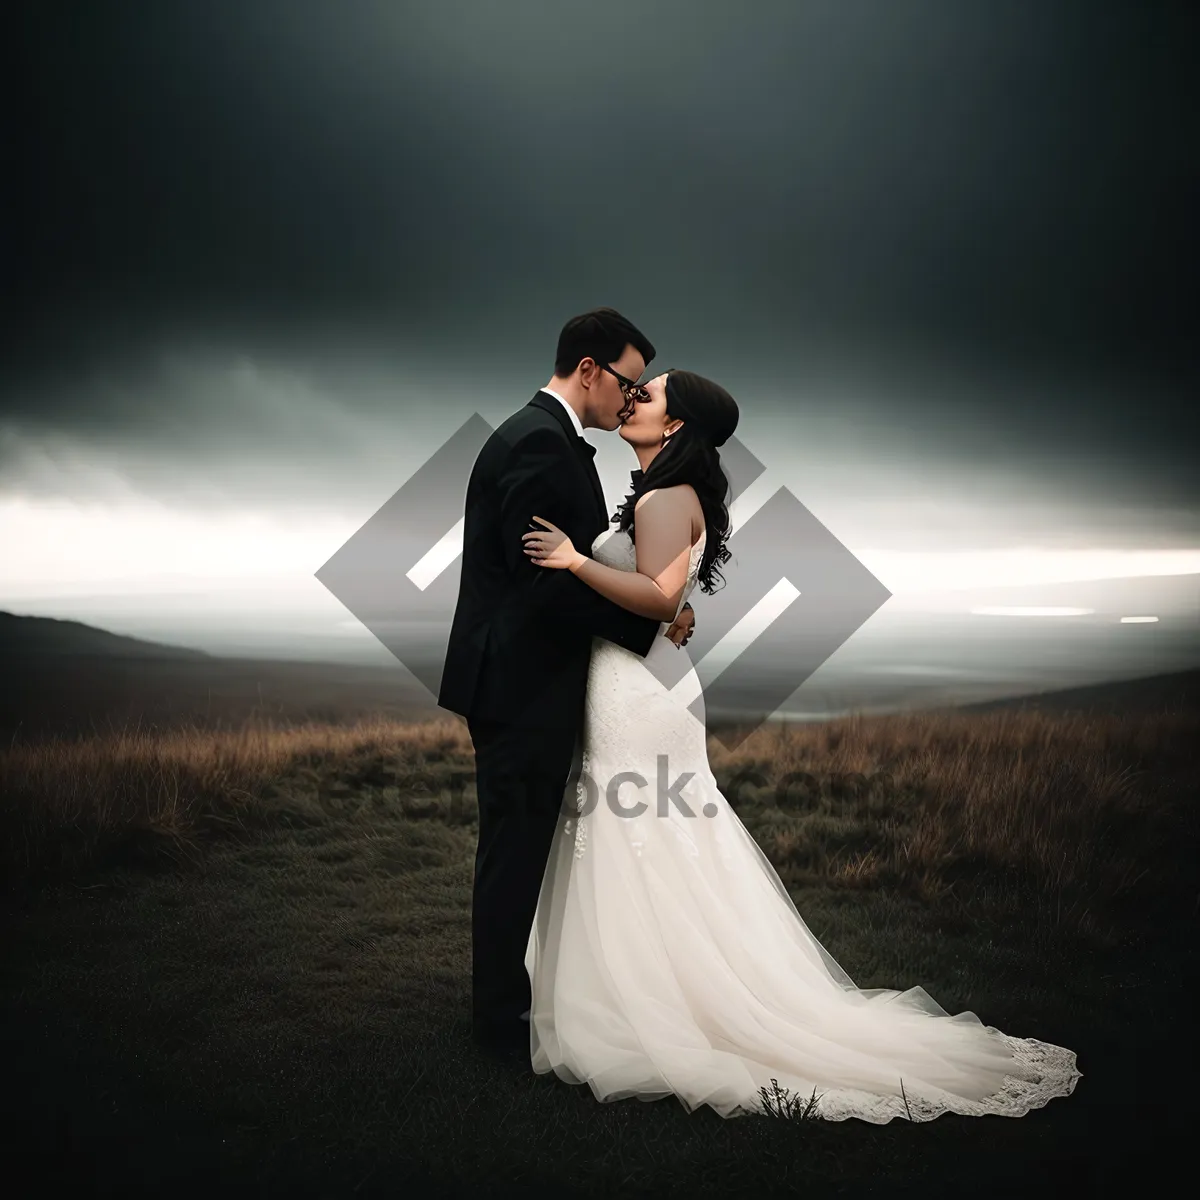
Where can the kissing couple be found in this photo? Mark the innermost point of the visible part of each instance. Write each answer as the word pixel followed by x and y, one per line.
pixel 628 932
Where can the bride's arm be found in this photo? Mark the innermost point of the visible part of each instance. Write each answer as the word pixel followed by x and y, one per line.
pixel 663 529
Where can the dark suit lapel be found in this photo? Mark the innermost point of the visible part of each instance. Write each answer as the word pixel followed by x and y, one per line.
pixel 582 448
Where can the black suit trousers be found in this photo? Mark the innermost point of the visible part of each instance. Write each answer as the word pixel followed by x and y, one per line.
pixel 521 777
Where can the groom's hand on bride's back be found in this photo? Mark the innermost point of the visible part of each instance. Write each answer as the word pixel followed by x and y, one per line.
pixel 683 626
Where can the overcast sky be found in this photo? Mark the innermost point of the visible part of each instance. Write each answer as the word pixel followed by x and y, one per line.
pixel 265 257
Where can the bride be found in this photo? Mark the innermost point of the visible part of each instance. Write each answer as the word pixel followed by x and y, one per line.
pixel 666 957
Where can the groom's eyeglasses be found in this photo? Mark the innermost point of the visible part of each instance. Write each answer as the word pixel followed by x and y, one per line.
pixel 626 385
pixel 633 392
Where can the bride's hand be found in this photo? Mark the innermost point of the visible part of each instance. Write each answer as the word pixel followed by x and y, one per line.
pixel 550 547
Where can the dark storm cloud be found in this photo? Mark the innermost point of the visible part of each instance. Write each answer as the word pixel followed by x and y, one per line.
pixel 983 212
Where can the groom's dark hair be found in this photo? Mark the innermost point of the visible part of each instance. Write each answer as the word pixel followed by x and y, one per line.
pixel 601 334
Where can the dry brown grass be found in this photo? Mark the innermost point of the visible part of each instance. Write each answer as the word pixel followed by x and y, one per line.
pixel 1091 813
pixel 1095 812
pixel 149 796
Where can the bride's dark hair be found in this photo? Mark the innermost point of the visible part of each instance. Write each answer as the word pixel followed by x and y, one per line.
pixel 690 456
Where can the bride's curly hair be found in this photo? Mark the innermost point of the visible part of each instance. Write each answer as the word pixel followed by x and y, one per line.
pixel 689 457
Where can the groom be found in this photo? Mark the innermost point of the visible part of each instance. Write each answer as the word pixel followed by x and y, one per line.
pixel 520 643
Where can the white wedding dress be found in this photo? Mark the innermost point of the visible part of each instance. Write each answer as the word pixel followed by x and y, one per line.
pixel 667 958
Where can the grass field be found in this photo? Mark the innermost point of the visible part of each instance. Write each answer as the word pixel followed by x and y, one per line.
pixel 240 959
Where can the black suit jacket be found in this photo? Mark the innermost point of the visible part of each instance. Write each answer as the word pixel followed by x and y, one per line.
pixel 520 642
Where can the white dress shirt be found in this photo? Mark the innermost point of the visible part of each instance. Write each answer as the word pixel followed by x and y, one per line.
pixel 570 411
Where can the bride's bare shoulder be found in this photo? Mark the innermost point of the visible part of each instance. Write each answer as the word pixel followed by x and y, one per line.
pixel 673 503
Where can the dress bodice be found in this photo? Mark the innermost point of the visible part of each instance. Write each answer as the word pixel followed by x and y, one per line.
pixel 615 548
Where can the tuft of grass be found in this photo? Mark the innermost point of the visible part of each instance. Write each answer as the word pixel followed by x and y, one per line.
pixel 786 1105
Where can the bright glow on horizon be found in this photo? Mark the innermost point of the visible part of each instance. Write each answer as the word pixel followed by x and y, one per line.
pixel 62 548
pixel 1138 620
pixel 1029 611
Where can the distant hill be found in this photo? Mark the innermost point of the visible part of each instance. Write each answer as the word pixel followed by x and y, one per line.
pixel 41 636
pixel 66 678
pixel 1178 691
